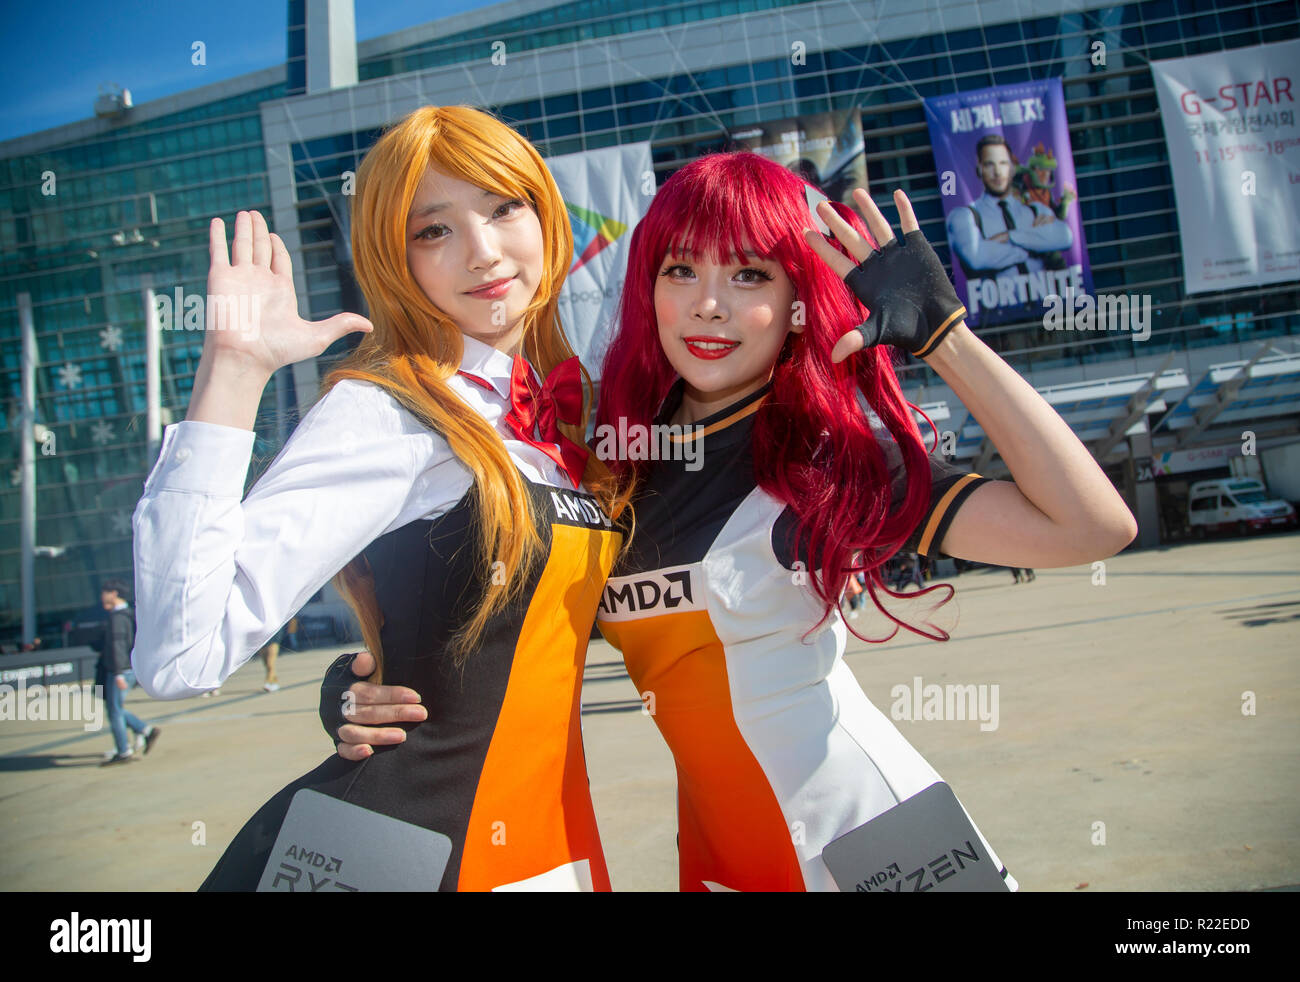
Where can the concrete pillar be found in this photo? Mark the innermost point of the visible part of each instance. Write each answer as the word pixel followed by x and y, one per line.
pixel 331 45
pixel 1143 490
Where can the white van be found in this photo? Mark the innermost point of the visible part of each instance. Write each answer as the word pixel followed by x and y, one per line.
pixel 1240 503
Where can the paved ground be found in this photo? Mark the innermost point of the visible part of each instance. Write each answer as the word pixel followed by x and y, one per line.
pixel 1119 704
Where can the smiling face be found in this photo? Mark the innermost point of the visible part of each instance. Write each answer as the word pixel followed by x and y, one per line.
pixel 995 169
pixel 477 255
pixel 722 326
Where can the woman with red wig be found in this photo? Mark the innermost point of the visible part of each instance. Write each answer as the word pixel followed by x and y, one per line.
pixel 800 463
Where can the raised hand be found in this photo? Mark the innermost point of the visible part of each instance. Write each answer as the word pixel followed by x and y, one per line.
pixel 910 301
pixel 252 310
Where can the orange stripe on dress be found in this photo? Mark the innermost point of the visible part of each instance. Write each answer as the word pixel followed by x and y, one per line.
pixel 936 516
pixel 532 810
pixel 735 417
pixel 731 827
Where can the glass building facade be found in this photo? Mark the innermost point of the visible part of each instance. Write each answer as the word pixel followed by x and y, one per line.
pixel 126 211
pixel 134 207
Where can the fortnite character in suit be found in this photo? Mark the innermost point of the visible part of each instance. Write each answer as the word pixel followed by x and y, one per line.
pixel 998 235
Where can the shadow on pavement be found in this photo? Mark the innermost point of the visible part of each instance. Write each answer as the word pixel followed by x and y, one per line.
pixel 48 761
pixel 1262 614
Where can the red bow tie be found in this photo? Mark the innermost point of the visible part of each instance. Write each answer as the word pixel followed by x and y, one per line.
pixel 559 401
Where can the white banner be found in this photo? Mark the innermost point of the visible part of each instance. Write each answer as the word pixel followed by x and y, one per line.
pixel 1234 148
pixel 1183 461
pixel 606 191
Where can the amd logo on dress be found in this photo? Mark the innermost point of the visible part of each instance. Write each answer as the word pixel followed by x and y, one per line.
pixel 663 591
pixel 577 509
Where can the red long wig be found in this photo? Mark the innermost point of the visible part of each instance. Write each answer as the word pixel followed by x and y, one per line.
pixel 813 447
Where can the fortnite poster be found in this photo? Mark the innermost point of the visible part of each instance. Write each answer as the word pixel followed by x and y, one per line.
pixel 1006 177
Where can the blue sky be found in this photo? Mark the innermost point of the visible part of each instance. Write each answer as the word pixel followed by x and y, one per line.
pixel 55 55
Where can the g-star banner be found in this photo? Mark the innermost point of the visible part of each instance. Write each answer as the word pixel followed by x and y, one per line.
pixel 1204 458
pixel 606 192
pixel 1006 176
pixel 1230 125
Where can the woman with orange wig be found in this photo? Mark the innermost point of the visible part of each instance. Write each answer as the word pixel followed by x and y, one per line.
pixel 440 478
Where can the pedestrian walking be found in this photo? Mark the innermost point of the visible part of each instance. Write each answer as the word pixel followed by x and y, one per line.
pixel 115 677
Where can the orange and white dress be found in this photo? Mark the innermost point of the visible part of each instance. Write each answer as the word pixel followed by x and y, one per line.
pixel 778 750
pixel 498 767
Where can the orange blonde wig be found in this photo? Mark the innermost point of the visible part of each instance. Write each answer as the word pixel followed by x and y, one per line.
pixel 415 347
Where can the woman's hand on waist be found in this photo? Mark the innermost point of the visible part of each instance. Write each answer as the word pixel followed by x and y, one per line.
pixel 368 706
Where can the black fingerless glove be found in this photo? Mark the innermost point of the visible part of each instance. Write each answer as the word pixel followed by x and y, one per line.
pixel 338 678
pixel 911 302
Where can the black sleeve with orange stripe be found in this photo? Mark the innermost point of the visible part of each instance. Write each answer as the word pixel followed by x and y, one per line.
pixel 950 485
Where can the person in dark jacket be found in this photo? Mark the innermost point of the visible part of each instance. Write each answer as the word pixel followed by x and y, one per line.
pixel 114 673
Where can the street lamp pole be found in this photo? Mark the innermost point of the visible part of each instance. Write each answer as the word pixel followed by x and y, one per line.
pixel 28 464
pixel 152 373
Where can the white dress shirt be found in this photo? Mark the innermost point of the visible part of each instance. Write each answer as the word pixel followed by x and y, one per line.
pixel 981 252
pixel 217 577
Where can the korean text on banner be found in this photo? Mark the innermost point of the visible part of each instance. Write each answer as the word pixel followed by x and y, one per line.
pixel 1006 177
pixel 1234 149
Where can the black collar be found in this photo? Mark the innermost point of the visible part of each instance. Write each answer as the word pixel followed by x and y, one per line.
pixel 672 402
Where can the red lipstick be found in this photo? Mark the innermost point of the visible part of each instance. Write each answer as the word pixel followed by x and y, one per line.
pixel 716 347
